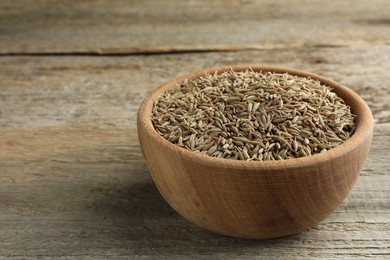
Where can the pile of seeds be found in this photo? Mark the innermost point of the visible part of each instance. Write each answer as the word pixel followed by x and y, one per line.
pixel 253 116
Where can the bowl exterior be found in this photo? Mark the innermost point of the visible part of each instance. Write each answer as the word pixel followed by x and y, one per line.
pixel 250 202
pixel 252 199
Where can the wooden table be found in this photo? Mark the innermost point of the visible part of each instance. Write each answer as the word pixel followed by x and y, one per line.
pixel 73 182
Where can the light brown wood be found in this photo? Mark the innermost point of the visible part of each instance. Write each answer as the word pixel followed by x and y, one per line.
pixel 41 91
pixel 73 182
pixel 71 195
pixel 255 199
pixel 100 27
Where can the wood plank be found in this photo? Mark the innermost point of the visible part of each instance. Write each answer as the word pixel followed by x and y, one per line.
pixel 84 191
pixel 37 91
pixel 106 27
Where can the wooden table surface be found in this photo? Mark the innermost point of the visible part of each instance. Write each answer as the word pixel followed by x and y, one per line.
pixel 73 181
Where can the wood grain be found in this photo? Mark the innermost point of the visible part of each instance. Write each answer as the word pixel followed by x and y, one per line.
pixel 100 27
pixel 94 198
pixel 37 91
pixel 73 183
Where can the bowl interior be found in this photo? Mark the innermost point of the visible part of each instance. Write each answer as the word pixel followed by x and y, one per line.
pixel 363 120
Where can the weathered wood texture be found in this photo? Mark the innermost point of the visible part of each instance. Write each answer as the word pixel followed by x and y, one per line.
pixel 161 26
pixel 37 91
pixel 72 177
pixel 84 191
pixel 73 180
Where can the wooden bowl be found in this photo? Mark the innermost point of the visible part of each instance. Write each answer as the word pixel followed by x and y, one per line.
pixel 255 199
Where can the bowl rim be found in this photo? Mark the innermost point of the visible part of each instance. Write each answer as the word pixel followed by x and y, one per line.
pixel 364 121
